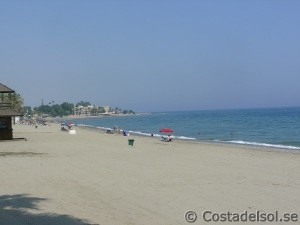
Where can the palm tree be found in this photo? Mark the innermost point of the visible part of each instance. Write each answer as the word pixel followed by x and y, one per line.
pixel 15 100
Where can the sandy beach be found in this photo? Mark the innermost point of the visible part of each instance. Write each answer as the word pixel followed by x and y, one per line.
pixel 97 178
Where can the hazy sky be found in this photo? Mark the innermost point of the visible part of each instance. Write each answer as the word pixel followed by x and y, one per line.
pixel 153 55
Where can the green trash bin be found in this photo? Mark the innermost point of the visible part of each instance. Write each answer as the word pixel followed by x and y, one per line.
pixel 130 142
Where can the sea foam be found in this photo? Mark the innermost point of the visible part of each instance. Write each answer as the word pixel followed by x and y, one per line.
pixel 262 144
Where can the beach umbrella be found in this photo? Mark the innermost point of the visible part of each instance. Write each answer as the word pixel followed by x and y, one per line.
pixel 165 130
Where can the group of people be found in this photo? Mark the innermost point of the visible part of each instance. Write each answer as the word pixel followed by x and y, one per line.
pixel 66 126
pixel 35 123
pixel 118 130
pixel 167 139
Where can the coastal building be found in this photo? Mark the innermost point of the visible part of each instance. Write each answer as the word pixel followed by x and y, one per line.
pixel 85 110
pixel 106 108
pixel 6 113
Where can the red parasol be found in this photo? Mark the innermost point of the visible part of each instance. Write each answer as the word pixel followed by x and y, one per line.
pixel 165 130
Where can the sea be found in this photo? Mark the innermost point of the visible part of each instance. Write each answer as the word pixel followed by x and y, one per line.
pixel 272 127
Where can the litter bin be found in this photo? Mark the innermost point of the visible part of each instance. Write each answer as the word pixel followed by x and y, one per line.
pixel 130 142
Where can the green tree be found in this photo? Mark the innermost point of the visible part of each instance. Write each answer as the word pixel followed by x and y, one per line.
pixel 15 100
pixel 101 110
pixel 42 109
pixel 94 111
pixel 68 108
pixel 118 110
pixel 83 103
pixel 63 109
pixel 27 110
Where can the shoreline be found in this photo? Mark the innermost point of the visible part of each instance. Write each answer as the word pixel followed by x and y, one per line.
pixel 233 130
pixel 196 141
pixel 152 181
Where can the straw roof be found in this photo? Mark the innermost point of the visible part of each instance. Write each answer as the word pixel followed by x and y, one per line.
pixel 5 89
pixel 9 112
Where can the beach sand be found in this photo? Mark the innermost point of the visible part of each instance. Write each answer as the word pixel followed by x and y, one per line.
pixel 97 178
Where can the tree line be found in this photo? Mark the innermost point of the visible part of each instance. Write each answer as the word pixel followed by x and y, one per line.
pixel 56 110
pixel 66 109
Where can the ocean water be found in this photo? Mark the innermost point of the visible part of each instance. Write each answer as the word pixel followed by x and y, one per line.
pixel 276 127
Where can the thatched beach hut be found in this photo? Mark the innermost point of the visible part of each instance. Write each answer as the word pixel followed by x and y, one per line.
pixel 6 113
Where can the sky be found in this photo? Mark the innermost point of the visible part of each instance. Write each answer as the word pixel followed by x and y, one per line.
pixel 153 55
